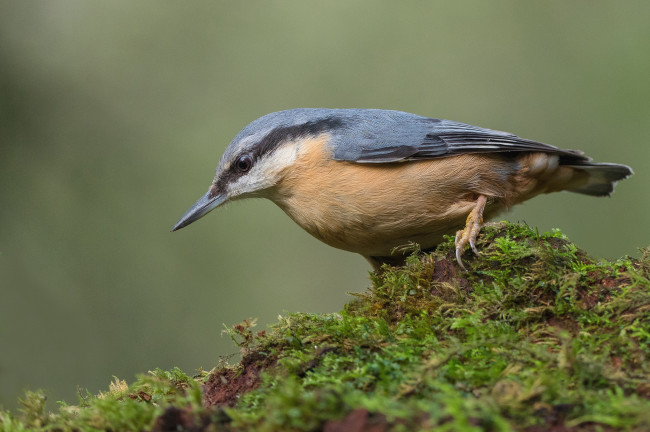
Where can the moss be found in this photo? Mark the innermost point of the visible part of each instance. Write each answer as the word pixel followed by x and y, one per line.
pixel 536 336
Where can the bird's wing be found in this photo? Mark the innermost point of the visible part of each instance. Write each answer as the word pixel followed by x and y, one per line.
pixel 409 137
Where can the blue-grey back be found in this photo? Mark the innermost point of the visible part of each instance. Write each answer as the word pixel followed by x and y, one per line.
pixel 380 136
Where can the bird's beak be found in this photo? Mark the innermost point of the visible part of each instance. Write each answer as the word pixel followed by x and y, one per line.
pixel 200 208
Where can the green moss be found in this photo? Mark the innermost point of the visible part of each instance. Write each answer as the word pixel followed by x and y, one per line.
pixel 536 334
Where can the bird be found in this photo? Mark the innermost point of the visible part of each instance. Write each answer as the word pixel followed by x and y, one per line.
pixel 374 181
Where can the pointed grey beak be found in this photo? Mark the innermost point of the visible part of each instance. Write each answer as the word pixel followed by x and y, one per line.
pixel 200 208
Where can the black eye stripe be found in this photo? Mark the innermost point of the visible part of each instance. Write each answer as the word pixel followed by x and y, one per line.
pixel 277 136
pixel 270 143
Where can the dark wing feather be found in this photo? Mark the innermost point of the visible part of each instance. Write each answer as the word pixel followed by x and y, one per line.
pixel 462 143
pixel 438 146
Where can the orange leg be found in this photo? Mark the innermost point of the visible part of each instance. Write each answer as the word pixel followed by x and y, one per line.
pixel 472 228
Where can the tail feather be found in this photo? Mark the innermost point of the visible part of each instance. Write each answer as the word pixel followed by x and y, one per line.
pixel 602 177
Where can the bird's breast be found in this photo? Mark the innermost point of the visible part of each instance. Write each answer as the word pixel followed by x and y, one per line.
pixel 373 208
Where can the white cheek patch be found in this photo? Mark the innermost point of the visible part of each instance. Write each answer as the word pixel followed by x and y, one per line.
pixel 272 165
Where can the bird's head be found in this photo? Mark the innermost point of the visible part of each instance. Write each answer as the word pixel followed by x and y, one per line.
pixel 258 157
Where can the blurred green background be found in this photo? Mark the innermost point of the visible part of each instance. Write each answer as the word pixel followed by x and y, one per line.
pixel 113 116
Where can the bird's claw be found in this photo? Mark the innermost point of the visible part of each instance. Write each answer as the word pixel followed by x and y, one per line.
pixel 472 228
pixel 472 244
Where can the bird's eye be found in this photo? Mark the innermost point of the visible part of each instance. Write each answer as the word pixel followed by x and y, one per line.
pixel 244 163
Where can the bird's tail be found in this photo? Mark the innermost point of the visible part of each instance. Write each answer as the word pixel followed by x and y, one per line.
pixel 601 177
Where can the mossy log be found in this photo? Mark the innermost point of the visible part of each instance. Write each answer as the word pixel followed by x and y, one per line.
pixel 536 336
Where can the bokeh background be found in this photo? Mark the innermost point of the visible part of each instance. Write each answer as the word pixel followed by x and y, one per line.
pixel 113 116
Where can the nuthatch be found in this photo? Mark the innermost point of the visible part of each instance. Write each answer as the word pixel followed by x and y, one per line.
pixel 369 181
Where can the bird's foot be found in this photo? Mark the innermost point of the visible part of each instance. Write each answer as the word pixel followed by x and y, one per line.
pixel 471 230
